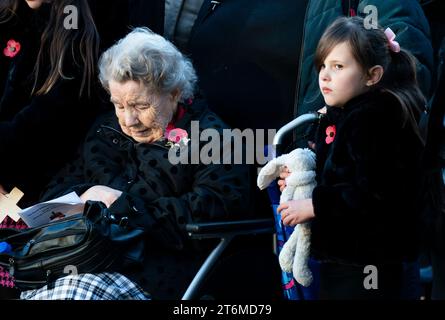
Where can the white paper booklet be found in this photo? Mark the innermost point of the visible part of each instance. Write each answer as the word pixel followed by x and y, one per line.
pixel 44 212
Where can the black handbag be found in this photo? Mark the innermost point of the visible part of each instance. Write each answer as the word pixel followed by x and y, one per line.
pixel 89 242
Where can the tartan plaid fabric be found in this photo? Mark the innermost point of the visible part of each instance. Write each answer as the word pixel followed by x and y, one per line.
pixel 87 286
pixel 5 278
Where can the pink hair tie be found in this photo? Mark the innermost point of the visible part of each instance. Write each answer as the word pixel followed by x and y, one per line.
pixel 393 45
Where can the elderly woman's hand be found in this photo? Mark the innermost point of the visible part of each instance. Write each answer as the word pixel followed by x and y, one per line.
pixel 296 211
pixel 101 193
pixel 283 175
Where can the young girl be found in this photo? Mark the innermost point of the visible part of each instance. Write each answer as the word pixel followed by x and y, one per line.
pixel 368 157
pixel 47 93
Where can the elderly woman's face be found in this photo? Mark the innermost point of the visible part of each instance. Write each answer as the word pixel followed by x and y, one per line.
pixel 142 116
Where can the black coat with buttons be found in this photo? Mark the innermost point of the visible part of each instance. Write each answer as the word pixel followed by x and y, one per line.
pixel 160 196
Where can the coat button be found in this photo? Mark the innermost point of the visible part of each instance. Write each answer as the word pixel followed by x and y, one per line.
pixel 115 141
pixel 99 130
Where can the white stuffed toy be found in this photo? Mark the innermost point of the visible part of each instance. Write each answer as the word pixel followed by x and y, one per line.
pixel 294 256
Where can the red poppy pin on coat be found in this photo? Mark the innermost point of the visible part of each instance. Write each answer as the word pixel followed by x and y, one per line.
pixel 12 48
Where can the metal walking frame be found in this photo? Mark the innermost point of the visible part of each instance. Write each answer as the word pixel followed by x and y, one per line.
pixel 225 232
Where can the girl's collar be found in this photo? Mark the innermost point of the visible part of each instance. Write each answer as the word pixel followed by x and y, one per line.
pixel 357 100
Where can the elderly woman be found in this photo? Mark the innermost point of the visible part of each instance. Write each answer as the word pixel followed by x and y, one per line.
pixel 125 164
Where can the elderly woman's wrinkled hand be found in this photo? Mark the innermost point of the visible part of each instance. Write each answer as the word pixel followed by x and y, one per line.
pixel 283 175
pixel 101 193
pixel 296 211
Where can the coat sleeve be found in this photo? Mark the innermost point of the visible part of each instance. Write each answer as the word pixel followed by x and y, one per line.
pixel 407 20
pixel 44 115
pixel 74 176
pixel 70 178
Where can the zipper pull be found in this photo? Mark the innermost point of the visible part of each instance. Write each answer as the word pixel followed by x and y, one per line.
pixel 48 276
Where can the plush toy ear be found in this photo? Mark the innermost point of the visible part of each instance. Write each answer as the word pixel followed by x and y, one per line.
pixel 268 174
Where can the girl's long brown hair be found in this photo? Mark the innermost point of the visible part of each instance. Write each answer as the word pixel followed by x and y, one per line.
pixel 7 9
pixel 57 42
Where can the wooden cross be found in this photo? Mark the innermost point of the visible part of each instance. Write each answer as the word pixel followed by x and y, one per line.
pixel 8 204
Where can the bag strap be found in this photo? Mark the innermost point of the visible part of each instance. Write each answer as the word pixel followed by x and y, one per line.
pixel 207 8
pixel 215 3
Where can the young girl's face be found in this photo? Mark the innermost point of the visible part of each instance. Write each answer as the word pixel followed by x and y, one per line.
pixel 341 78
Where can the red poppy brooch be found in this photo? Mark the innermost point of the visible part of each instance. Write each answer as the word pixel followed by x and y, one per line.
pixel 12 48
pixel 177 137
pixel 330 134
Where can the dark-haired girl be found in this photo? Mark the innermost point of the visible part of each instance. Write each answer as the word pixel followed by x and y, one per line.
pixel 47 88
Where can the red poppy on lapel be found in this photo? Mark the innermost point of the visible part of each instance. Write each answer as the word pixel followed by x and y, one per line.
pixel 330 134
pixel 12 48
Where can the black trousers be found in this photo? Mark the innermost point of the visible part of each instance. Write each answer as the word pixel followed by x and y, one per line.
pixel 347 282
